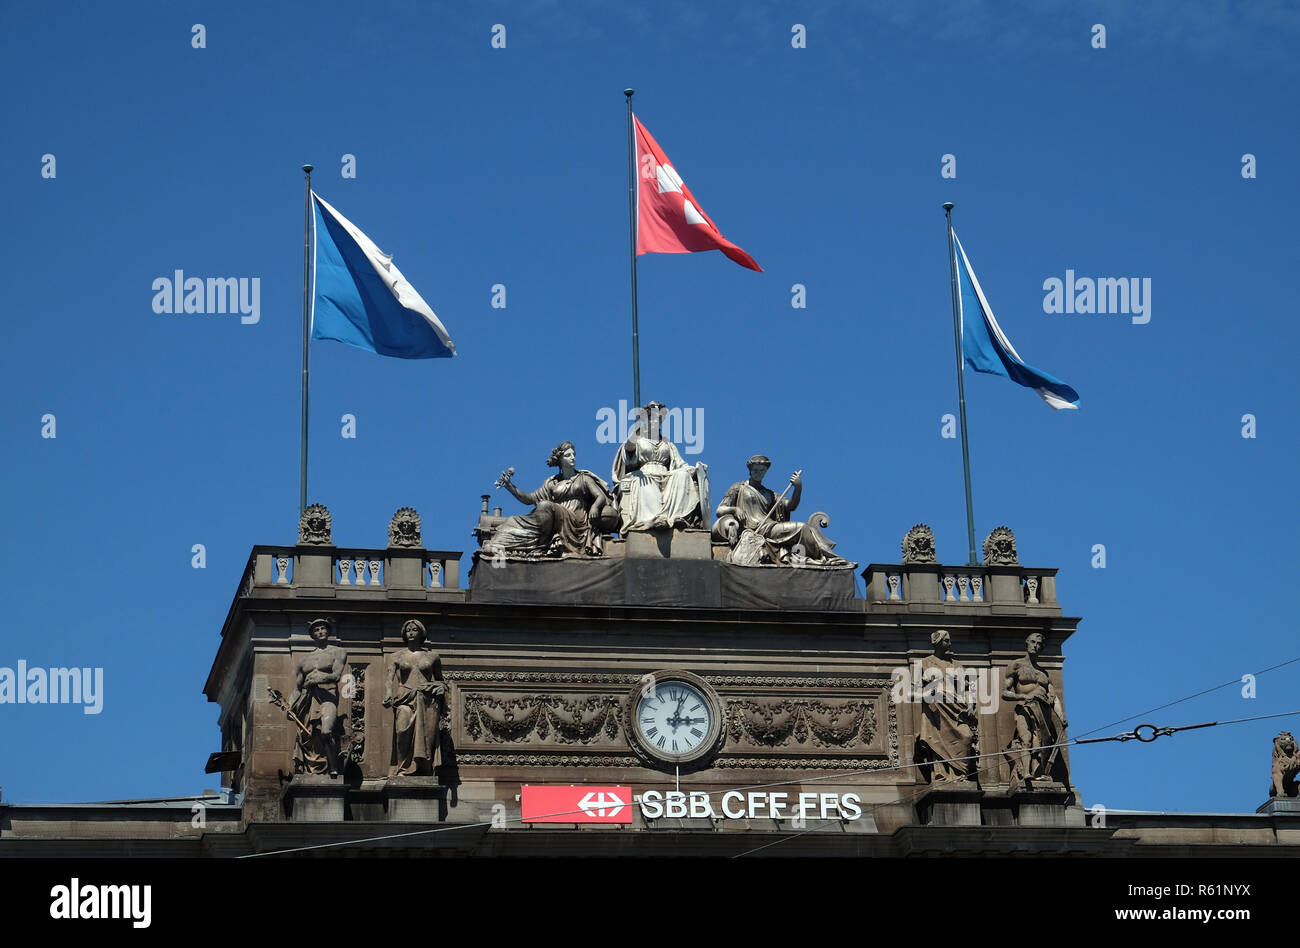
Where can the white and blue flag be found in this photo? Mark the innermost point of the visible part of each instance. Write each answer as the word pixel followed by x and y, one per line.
pixel 360 298
pixel 986 347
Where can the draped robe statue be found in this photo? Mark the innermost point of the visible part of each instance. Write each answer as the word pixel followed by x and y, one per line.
pixel 417 694
pixel 750 506
pixel 569 515
pixel 948 721
pixel 657 489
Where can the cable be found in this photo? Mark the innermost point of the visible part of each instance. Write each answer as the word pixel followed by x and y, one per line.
pixel 1126 736
pixel 1142 714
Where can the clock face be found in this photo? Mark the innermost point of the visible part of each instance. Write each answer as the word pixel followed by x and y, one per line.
pixel 674 719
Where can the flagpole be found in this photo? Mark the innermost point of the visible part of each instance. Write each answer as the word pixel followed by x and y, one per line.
pixel 306 334
pixel 961 386
pixel 631 215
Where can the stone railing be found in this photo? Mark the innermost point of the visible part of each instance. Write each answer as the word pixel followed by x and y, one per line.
pixel 306 568
pixel 933 587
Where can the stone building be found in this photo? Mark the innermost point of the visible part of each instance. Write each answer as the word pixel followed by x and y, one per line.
pixel 657 699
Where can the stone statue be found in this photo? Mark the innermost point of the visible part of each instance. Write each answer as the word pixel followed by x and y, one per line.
pixel 417 694
pixel 657 490
pixel 948 721
pixel 1286 765
pixel 315 703
pixel 569 517
pixel 1040 720
pixel 757 525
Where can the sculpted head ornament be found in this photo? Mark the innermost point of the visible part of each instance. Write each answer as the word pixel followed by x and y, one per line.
pixel 554 459
pixel 1000 548
pixel 314 526
pixel 415 629
pixel 918 545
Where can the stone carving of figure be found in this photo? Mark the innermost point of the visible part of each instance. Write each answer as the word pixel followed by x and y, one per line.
pixel 569 514
pixel 657 490
pixel 315 702
pixel 1040 719
pixel 417 694
pixel 775 539
pixel 948 721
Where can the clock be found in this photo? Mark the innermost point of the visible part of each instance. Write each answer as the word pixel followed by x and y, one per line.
pixel 675 718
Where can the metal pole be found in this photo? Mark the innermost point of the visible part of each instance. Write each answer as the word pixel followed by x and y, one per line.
pixel 306 334
pixel 961 386
pixel 631 216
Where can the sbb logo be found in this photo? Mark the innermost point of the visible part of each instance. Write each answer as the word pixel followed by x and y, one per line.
pixel 576 804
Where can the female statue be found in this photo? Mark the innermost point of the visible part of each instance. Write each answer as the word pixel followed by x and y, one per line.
pixel 657 489
pixel 949 722
pixel 569 514
pixel 416 693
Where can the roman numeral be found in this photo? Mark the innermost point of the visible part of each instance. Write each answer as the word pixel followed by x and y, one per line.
pixel 652 732
pixel 647 720
pixel 662 739
pixel 696 706
pixel 697 732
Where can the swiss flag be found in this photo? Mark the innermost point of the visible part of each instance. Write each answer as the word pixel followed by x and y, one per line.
pixel 669 219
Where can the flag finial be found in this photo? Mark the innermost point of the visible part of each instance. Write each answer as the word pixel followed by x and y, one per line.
pixel 308 168
pixel 948 205
pixel 629 92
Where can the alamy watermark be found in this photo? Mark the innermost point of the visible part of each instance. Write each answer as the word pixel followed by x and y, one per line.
pixel 956 684
pixel 181 294
pixel 1101 296
pixel 684 426
pixel 23 685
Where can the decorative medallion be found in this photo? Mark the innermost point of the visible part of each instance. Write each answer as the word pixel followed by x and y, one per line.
pixel 1000 548
pixel 918 545
pixel 404 530
pixel 314 527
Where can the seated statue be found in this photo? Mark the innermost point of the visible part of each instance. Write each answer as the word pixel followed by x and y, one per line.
pixel 572 512
pixel 657 490
pixel 756 524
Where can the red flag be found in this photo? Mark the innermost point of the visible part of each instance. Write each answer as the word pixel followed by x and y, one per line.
pixel 669 219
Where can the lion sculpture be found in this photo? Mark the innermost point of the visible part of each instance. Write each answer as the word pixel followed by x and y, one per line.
pixel 1286 765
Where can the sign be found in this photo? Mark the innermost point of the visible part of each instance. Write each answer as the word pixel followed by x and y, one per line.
pixel 583 804
pixel 757 804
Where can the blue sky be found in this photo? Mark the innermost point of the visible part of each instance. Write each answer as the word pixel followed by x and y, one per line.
pixel 478 166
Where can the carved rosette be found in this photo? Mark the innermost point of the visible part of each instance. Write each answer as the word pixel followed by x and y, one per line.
pixel 918 545
pixel 314 527
pixel 1000 548
pixel 404 530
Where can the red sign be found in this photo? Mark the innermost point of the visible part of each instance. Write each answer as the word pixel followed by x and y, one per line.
pixel 584 804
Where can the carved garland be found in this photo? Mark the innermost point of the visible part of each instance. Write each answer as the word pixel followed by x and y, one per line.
pixel 801 721
pixel 517 720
